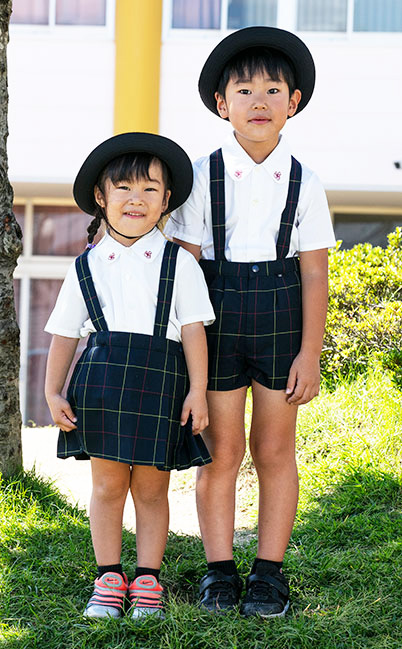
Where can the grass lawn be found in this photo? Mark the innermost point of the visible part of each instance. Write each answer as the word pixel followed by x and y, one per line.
pixel 344 561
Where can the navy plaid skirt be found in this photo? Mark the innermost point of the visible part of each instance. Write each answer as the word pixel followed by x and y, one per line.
pixel 127 389
pixel 127 407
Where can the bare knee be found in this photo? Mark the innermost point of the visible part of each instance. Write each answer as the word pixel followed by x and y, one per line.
pixel 109 488
pixel 226 459
pixel 151 488
pixel 272 455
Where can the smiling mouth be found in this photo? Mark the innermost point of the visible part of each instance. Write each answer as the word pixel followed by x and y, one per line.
pixel 134 215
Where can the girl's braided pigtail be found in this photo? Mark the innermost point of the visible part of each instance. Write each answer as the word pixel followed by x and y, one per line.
pixel 94 226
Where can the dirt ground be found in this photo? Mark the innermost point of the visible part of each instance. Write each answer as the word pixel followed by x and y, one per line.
pixel 73 479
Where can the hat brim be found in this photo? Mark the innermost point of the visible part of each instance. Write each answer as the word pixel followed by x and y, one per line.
pixel 172 154
pixel 275 39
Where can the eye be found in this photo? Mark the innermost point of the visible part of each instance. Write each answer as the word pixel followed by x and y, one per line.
pixel 245 91
pixel 123 187
pixel 151 189
pixel 273 91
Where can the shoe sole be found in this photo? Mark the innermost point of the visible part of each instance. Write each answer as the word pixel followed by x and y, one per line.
pixel 266 617
pixel 101 615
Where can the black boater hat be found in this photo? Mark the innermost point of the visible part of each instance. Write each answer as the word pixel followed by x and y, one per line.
pixel 172 154
pixel 274 39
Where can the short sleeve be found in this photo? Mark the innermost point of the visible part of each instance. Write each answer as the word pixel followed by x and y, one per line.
pixel 314 223
pixel 70 311
pixel 187 223
pixel 191 298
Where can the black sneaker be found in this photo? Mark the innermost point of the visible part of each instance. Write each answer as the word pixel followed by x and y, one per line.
pixel 267 594
pixel 220 593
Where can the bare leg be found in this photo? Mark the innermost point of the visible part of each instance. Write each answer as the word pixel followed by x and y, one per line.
pixel 272 445
pixel 110 482
pixel 149 489
pixel 216 482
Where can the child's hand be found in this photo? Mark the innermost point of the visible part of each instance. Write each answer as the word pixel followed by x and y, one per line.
pixel 304 379
pixel 61 412
pixel 195 404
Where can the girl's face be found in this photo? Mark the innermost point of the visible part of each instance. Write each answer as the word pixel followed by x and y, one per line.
pixel 134 207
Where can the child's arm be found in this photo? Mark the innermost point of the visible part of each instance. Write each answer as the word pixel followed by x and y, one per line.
pixel 195 351
pixel 191 247
pixel 304 375
pixel 61 354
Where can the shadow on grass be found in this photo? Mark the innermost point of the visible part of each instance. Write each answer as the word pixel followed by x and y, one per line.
pixel 343 563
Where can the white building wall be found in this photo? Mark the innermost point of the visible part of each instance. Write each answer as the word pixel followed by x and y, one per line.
pixel 61 102
pixel 351 131
pixel 62 94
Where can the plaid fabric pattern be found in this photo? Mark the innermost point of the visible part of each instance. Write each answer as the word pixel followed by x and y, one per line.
pixel 257 331
pixel 217 179
pixel 127 389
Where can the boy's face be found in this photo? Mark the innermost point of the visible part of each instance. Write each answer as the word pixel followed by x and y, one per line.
pixel 258 109
pixel 134 207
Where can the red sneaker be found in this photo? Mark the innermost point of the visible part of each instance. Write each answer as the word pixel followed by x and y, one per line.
pixel 145 594
pixel 108 597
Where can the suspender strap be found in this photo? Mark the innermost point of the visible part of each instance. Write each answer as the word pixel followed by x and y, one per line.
pixel 89 294
pixel 217 189
pixel 288 214
pixel 165 291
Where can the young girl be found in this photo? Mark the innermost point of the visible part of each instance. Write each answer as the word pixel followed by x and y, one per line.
pixel 143 301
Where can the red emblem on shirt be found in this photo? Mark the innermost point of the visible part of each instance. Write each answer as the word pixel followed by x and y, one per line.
pixel 111 256
pixel 238 173
pixel 148 254
pixel 277 175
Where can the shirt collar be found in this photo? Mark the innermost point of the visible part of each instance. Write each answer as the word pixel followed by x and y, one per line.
pixel 239 164
pixel 146 248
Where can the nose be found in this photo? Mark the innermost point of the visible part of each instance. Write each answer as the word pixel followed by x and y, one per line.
pixel 260 101
pixel 135 197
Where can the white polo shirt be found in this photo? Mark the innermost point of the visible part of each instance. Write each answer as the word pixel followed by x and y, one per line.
pixel 255 196
pixel 126 281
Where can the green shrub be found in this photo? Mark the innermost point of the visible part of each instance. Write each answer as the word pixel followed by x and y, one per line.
pixel 364 311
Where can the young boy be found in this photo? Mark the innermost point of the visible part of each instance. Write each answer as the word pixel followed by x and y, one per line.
pixel 259 221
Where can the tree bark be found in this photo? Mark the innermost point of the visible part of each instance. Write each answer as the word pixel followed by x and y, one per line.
pixel 10 249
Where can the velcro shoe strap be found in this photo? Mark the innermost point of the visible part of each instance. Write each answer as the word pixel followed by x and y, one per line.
pixel 208 580
pixel 280 586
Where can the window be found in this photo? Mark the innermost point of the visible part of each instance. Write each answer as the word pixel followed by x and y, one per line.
pixel 53 236
pixel 59 12
pixel 33 12
pixel 338 16
pixel 322 15
pixel 257 12
pixel 365 228
pixel 377 16
pixel 59 230
pixel 198 14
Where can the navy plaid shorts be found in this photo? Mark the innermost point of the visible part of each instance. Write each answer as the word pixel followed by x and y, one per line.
pixel 257 331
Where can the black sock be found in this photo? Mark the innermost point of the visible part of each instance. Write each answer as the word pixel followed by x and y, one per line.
pixel 265 564
pixel 116 567
pixel 227 567
pixel 140 572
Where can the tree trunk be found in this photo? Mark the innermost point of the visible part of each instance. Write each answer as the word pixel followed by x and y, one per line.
pixel 10 248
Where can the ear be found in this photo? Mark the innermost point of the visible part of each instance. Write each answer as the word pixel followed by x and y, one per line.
pixel 165 201
pixel 294 102
pixel 221 106
pixel 99 198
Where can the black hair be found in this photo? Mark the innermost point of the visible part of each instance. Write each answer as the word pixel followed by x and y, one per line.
pixel 129 166
pixel 257 60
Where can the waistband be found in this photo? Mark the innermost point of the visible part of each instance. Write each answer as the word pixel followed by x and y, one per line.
pixel 133 341
pixel 276 267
